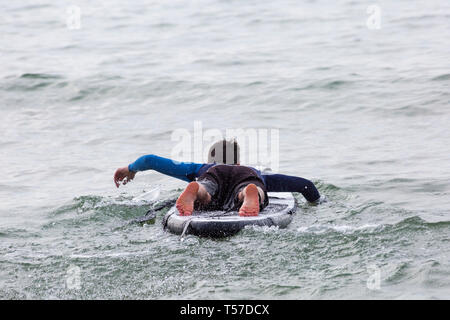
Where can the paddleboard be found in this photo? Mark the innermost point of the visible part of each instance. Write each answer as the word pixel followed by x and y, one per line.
pixel 216 224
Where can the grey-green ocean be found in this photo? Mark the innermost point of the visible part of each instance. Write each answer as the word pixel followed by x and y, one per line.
pixel 358 91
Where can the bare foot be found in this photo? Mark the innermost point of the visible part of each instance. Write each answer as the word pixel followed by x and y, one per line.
pixel 185 202
pixel 250 207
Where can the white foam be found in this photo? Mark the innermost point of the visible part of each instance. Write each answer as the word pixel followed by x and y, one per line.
pixel 149 196
pixel 319 229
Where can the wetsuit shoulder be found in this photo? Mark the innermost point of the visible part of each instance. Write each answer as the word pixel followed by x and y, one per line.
pixel 203 169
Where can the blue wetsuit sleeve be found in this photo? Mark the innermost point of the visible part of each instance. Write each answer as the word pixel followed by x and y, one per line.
pixel 285 183
pixel 186 171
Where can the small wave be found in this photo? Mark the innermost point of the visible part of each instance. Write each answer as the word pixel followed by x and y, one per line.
pixel 326 186
pixel 331 192
pixel 335 84
pixel 109 255
pixel 345 229
pixel 255 84
pixel 32 82
pixel 87 203
pixel 417 221
pixel 413 111
pixel 16 233
pixel 88 209
pixel 31 7
pixel 420 17
pixel 442 77
pixel 39 76
pixel 410 223
pixel 328 85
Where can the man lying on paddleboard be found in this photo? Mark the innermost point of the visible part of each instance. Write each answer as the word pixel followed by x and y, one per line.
pixel 224 152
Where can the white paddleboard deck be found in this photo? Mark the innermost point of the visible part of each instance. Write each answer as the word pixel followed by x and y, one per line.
pixel 279 212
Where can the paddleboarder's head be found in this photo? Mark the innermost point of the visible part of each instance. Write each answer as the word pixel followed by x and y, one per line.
pixel 224 152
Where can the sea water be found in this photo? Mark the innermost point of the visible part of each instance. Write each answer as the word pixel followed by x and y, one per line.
pixel 358 93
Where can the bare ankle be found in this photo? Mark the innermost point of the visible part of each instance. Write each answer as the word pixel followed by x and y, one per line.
pixel 202 195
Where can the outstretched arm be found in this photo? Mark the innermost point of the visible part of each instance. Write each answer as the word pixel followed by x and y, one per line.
pixel 181 170
pixel 285 183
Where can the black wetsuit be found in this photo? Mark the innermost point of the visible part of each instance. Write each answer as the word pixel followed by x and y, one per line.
pixel 224 182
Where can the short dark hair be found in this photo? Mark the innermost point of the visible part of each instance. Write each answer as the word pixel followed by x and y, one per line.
pixel 224 151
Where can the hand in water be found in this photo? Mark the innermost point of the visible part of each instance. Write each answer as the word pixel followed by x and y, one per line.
pixel 123 175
